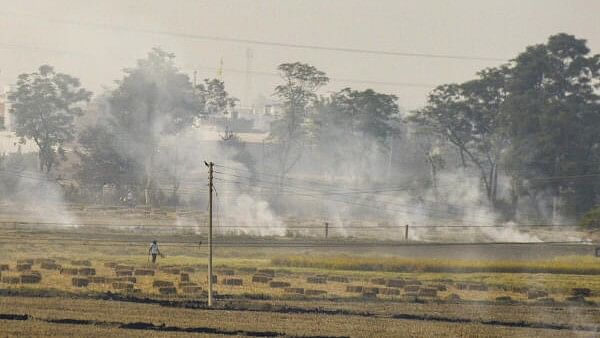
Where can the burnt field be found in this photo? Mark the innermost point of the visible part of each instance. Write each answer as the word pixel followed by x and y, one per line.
pixel 94 280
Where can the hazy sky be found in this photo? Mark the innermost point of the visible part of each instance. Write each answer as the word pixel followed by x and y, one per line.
pixel 79 38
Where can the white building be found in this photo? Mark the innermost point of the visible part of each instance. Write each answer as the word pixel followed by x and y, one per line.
pixel 5 121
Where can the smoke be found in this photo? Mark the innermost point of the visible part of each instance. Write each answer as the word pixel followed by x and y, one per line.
pixel 237 209
pixel 35 197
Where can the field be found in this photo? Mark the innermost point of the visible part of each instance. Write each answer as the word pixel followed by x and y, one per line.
pixel 96 281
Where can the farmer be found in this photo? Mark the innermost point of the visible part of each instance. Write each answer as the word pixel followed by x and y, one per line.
pixel 130 200
pixel 154 251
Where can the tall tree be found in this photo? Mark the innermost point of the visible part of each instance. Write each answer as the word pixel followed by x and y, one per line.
pixel 297 93
pixel 469 116
pixel 153 98
pixel 352 122
pixel 553 116
pixel 45 104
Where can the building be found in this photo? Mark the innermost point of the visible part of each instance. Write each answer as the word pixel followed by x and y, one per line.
pixel 4 109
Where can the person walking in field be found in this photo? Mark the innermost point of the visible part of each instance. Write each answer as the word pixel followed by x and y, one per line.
pixel 130 200
pixel 154 251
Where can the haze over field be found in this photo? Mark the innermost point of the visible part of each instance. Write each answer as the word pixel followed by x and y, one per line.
pixel 374 114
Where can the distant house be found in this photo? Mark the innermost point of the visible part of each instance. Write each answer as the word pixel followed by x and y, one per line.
pixel 5 121
pixel 9 142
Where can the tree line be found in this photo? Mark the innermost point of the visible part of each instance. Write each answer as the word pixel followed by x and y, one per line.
pixel 528 129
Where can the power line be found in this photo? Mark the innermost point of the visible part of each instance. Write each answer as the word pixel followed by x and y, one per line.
pixel 191 36
pixel 232 70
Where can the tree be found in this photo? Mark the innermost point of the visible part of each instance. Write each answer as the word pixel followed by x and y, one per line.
pixel 553 119
pixel 45 105
pixel 153 98
pixel 102 162
pixel 350 122
pixel 469 116
pixel 215 97
pixel 366 112
pixel 297 92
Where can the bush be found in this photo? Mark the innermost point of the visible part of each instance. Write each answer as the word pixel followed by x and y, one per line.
pixel 591 219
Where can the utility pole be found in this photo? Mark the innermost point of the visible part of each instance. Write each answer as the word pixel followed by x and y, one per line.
pixel 210 195
pixel 326 229
pixel 406 232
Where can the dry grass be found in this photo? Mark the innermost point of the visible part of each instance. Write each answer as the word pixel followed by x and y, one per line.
pixel 286 324
pixel 578 265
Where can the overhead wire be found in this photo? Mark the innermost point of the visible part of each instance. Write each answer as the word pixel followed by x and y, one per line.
pixel 195 36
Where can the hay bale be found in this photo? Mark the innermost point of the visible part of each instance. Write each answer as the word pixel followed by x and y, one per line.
pixel 576 299
pixel 81 262
pixel 339 279
pixel 110 265
pixel 453 298
pixel 226 272
pixel 188 269
pixel 547 301
pixel 389 291
pixel 162 283
pixel 261 279
pixel 299 291
pixel 184 284
pixel 143 272
pixel 367 289
pixel 86 271
pixel 11 279
pixel 395 283
pixel 124 273
pixel 4 267
pixel 316 280
pixel 412 282
pixel 266 272
pixel 378 281
pixel 98 279
pixel 369 294
pixel 50 266
pixel 233 281
pixel 412 288
pixel 309 292
pixel 354 288
pixel 462 286
pixel 123 267
pixel 477 287
pixel 23 266
pixel 585 292
pixel 410 297
pixel 184 277
pixel 534 294
pixel 33 277
pixel 504 299
pixel 69 271
pixel 167 290
pixel 41 261
pixel 279 284
pixel 247 269
pixel 25 261
pixel 128 279
pixel 171 271
pixel 122 286
pixel 440 287
pixel 427 292
pixel 191 289
pixel 80 282
pixel 519 289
